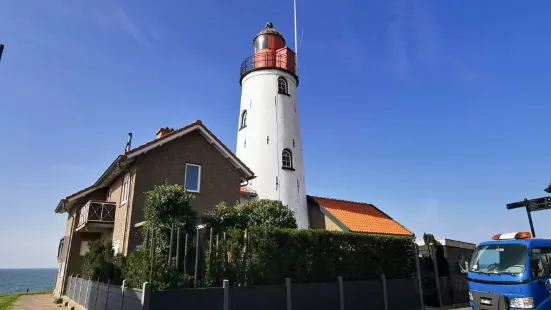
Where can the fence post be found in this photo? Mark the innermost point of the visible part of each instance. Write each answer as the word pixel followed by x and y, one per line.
pixel 418 270
pixel 123 288
pixel 196 273
pixel 385 296
pixel 170 247
pixel 96 297
pixel 74 286
pixel 432 250
pixel 72 293
pixel 107 294
pixel 146 295
pixel 226 286
pixel 86 296
pixel 80 291
pixel 185 253
pixel 68 288
pixel 341 291
pixel 178 250
pixel 288 292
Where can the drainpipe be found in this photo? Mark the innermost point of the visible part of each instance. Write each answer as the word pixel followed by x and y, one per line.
pixel 128 204
pixel 63 280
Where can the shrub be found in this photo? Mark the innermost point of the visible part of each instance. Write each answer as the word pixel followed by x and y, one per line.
pixel 269 255
pixel 263 212
pixel 165 276
pixel 101 262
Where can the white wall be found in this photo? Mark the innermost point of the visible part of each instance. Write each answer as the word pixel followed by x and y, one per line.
pixel 273 115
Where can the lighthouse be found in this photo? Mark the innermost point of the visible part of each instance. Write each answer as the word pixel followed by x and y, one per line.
pixel 268 138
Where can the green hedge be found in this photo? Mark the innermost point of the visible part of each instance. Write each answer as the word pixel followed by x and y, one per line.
pixel 269 255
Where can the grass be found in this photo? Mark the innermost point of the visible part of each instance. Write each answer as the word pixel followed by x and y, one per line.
pixel 6 301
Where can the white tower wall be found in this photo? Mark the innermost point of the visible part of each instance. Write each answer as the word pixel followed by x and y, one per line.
pixel 272 126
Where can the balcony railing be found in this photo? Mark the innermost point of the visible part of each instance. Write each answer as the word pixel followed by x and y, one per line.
pixel 268 61
pixel 97 212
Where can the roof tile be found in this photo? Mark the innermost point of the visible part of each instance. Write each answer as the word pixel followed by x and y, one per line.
pixel 362 217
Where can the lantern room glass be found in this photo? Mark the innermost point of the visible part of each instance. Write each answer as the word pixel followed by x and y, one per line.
pixel 261 42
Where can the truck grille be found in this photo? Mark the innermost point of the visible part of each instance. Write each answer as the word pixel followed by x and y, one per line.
pixel 489 301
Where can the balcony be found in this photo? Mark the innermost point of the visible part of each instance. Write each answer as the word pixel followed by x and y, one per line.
pixel 97 216
pixel 283 59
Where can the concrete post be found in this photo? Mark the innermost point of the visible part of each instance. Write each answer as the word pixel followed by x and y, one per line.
pixel 123 288
pixel 432 250
pixel 288 292
pixel 226 286
pixel 418 270
pixel 385 295
pixel 107 294
pixel 146 295
pixel 341 291
pixel 96 297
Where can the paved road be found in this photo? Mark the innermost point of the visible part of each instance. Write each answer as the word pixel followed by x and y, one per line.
pixel 35 302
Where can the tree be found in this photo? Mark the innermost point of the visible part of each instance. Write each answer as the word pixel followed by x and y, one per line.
pixel 166 205
pixel 263 212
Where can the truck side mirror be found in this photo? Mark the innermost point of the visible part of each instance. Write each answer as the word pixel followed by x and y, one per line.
pixel 464 269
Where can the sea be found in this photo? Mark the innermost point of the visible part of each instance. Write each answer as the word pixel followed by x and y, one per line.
pixel 14 281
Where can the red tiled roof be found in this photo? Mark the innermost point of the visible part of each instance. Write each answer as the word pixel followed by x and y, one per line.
pixel 247 191
pixel 362 217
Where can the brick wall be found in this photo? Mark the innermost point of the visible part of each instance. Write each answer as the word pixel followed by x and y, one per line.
pixel 220 180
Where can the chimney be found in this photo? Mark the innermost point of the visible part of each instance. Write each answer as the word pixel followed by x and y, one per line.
pixel 163 132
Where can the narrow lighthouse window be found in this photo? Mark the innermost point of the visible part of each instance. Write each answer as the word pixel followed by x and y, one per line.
pixel 282 86
pixel 287 159
pixel 243 119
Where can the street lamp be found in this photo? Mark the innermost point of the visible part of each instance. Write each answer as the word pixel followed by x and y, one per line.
pixel 538 204
pixel 198 227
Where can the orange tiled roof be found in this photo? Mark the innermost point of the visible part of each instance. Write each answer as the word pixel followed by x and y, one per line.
pixel 362 217
pixel 245 190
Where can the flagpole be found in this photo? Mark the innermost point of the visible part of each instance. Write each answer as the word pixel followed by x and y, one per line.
pixel 296 40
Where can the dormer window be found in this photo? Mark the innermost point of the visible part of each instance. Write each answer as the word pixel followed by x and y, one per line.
pixel 282 86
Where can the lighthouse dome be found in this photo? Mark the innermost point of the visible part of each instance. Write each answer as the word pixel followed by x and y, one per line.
pixel 260 41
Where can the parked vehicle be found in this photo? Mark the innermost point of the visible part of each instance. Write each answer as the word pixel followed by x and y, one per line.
pixel 512 271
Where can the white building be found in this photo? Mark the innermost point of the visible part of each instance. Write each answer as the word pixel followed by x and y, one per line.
pixel 270 144
pixel 268 139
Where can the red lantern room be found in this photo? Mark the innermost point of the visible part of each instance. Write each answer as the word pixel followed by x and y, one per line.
pixel 270 52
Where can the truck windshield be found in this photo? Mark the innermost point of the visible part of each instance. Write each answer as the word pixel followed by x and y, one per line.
pixel 499 258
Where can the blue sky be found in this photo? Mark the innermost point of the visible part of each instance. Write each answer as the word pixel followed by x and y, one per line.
pixel 435 111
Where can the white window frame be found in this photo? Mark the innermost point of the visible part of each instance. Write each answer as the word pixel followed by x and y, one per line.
pixel 198 179
pixel 283 81
pixel 125 189
pixel 109 194
pixel 290 159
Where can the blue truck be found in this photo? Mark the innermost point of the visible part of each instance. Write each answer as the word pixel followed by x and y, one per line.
pixel 512 271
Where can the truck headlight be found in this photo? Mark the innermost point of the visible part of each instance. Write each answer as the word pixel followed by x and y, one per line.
pixel 522 303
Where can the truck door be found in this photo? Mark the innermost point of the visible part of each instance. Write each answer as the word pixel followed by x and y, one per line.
pixel 540 261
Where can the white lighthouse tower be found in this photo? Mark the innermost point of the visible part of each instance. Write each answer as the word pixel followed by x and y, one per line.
pixel 268 139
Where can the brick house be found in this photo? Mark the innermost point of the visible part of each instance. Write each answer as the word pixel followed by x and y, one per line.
pixel 112 208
